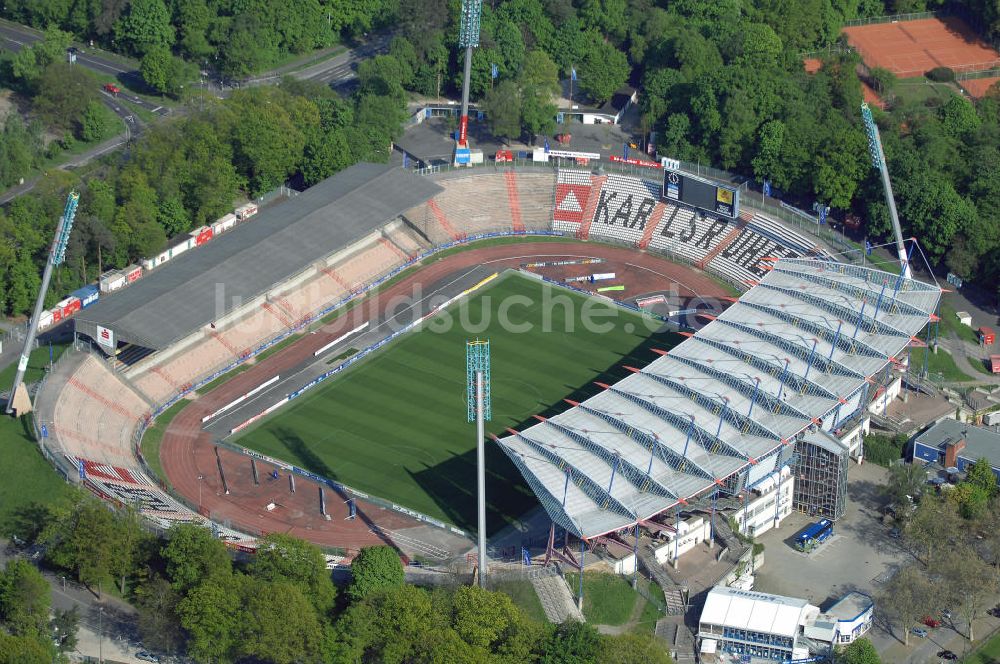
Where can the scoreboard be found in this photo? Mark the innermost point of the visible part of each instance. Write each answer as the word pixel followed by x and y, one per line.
pixel 700 193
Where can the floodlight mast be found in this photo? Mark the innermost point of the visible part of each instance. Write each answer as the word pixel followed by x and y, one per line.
pixel 468 38
pixel 56 256
pixel 477 368
pixel 878 162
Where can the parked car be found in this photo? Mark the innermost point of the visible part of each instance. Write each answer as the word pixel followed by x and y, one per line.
pixel 895 534
pixel 147 656
pixel 946 654
pixel 919 631
pixel 931 622
pixel 995 612
pixel 112 88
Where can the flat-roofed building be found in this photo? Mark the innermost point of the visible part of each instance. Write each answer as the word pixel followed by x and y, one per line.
pixel 753 624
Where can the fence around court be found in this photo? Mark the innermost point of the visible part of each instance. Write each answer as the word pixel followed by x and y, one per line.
pixel 892 18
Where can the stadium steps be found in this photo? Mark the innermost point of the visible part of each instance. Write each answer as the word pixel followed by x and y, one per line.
pixel 555 596
pixel 654 221
pixel 723 243
pixel 514 200
pixel 672 594
pixel 276 312
pixel 222 340
pixel 443 220
pixel 395 248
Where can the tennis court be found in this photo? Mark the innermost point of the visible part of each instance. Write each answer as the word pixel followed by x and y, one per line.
pixel 912 48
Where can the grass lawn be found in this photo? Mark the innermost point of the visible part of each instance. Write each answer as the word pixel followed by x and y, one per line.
pixel 395 426
pixel 608 599
pixel 524 596
pixel 154 436
pixel 650 612
pixel 988 654
pixel 940 364
pixel 30 478
pixel 38 365
pixel 949 321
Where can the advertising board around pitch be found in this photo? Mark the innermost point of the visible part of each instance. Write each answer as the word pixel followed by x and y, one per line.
pixel 700 193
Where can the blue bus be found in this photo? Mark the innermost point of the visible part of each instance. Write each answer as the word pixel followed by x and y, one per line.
pixel 814 535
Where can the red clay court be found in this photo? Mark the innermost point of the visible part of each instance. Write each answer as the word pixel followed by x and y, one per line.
pixel 977 87
pixel 911 48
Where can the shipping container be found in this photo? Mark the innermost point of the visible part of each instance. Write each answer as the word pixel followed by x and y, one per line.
pixel 223 224
pixel 56 313
pixel 87 295
pixel 201 235
pixel 156 261
pixel 181 247
pixel 45 320
pixel 132 273
pixel 244 212
pixel 995 363
pixel 987 336
pixel 69 306
pixel 111 281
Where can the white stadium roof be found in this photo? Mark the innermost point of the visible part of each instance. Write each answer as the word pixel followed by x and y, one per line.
pixel 757 612
pixel 800 348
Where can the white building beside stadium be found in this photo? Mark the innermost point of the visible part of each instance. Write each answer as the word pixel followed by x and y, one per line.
pixel 758 625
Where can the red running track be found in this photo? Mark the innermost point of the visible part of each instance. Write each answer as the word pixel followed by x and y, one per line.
pixel 187 452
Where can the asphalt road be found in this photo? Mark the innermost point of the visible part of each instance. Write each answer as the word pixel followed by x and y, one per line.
pixel 340 72
pixel 16 38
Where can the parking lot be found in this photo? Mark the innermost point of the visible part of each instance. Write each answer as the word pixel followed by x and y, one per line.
pixel 860 555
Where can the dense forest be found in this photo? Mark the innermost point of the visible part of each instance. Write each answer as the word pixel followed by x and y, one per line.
pixel 721 83
pixel 282 606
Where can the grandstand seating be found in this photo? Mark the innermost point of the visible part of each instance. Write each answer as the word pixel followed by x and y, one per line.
pixel 740 261
pixel 785 236
pixel 535 193
pixel 407 240
pixel 97 413
pixel 573 191
pixel 622 205
pixel 687 235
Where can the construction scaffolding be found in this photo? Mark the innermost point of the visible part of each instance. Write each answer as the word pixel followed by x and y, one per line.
pixel 820 471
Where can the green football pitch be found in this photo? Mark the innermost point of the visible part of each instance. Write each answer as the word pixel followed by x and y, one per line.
pixel 394 425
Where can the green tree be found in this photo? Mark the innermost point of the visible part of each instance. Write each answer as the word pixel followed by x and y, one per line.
pixel 373 569
pixel 159 622
pixel 279 625
pixel 860 651
pixel 603 71
pixel 96 123
pixel 81 537
pixel 63 96
pixel 285 558
pixel 958 116
pixel 906 597
pixel 193 557
pixel 980 474
pixel 165 73
pixel 25 599
pixel 572 643
pixel 267 144
pixel 23 650
pixel 65 625
pixel 632 649
pixel 503 110
pixel 213 618
pixel 144 27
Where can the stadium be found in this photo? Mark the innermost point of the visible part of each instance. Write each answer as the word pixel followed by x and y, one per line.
pixel 294 374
